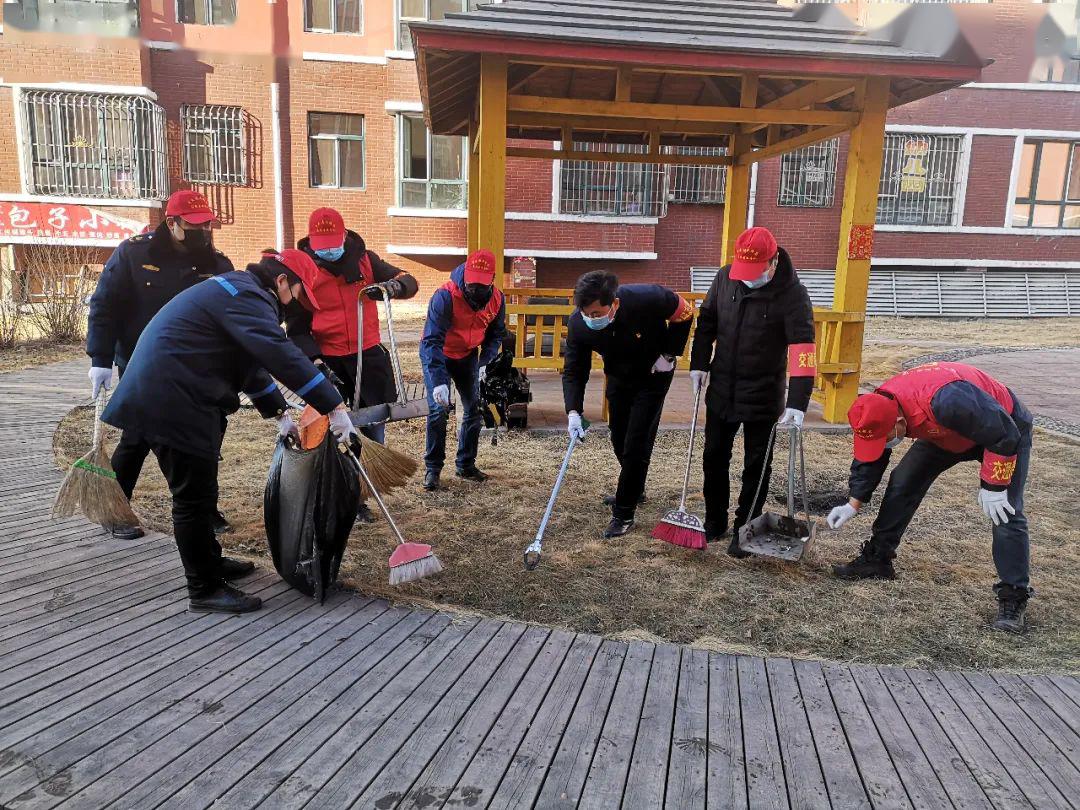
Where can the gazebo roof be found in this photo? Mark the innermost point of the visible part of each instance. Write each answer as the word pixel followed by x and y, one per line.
pixel 685 52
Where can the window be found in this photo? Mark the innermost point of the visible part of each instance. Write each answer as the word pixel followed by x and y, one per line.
pixel 336 150
pixel 697 184
pixel 206 12
pixel 420 10
pixel 91 145
pixel 920 179
pixel 213 138
pixel 334 16
pixel 432 167
pixel 1048 186
pixel 1060 69
pixel 612 189
pixel 808 176
pixel 109 18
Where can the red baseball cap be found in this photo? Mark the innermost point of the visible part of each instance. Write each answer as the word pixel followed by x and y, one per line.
pixel 190 206
pixel 302 265
pixel 872 417
pixel 326 229
pixel 480 267
pixel 754 249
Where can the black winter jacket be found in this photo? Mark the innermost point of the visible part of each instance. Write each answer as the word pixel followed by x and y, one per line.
pixel 742 339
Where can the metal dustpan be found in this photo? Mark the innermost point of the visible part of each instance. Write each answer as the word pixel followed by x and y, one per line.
pixel 784 537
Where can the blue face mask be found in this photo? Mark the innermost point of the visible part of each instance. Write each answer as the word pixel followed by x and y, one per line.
pixel 331 254
pixel 760 281
pixel 599 323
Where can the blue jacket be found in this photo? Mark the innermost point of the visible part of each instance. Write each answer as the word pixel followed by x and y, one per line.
pixel 441 321
pixel 143 274
pixel 220 337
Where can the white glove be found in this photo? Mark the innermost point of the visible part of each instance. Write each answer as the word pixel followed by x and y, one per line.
pixel 698 379
pixel 100 378
pixel 840 514
pixel 441 395
pixel 662 365
pixel 792 415
pixel 341 425
pixel 287 427
pixel 995 505
pixel 482 373
pixel 574 426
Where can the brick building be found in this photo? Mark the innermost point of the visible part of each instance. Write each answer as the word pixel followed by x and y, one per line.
pixel 275 108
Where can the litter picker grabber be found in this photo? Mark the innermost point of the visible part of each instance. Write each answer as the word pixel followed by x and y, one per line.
pixel 679 527
pixel 403 407
pixel 784 537
pixel 535 549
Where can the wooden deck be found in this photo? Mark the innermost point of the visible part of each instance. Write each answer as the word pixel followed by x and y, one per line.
pixel 113 695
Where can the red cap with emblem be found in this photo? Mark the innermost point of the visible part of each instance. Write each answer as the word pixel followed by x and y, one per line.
pixel 301 265
pixel 326 229
pixel 190 206
pixel 754 249
pixel 480 267
pixel 872 417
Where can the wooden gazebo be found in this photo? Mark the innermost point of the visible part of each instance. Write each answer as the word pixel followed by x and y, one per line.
pixel 755 77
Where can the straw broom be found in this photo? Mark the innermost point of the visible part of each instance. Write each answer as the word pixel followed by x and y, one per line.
pixel 90 485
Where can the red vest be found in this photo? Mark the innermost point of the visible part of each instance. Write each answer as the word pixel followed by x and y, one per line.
pixel 468 327
pixel 334 325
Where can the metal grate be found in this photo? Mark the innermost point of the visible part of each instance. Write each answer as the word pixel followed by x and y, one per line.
pixel 92 145
pixel 697 184
pixel 214 144
pixel 920 179
pixel 613 189
pixel 808 176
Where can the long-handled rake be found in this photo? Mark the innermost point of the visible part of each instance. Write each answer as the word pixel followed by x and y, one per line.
pixel 535 549
pixel 679 527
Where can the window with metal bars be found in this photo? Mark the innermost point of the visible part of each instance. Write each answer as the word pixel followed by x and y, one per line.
pixel 920 179
pixel 1048 185
pixel 213 137
pixel 336 150
pixel 334 16
pixel 206 12
pixel 612 189
pixel 808 176
pixel 93 145
pixel 697 184
pixel 410 11
pixel 433 167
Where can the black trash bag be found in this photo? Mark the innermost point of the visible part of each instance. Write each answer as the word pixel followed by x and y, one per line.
pixel 505 392
pixel 309 507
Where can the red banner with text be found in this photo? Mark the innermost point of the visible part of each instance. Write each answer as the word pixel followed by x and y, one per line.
pixel 62 223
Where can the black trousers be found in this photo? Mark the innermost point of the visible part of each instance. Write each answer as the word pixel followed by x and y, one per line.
pixel 193 482
pixel 757 453
pixel 376 387
pixel 634 409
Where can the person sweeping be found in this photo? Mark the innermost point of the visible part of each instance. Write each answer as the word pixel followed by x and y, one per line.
pixel 955 413
pixel 206 345
pixel 639 330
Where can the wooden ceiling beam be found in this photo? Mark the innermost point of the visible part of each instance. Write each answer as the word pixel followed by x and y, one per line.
pixel 819 92
pixel 618 157
pixel 813 136
pixel 598 123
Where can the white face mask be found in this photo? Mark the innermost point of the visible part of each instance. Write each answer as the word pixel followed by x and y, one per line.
pixel 760 281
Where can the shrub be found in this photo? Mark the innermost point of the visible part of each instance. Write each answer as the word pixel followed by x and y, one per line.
pixel 59 281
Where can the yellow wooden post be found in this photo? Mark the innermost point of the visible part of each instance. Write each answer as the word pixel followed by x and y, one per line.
pixel 737 193
pixel 491 192
pixel 856 240
pixel 473 240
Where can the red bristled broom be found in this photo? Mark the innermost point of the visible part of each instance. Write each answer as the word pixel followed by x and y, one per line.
pixel 679 527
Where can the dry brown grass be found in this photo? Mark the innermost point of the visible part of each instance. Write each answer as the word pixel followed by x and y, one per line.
pixel 936 614
pixel 29 355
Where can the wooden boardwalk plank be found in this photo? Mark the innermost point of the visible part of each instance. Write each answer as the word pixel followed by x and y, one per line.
pixel 727 773
pixel 842 780
pixel 996 783
pixel 611 762
pixel 1070 686
pixel 919 778
pixel 688 763
pixel 646 782
pixel 802 769
pixel 764 766
pixel 1042 714
pixel 1057 700
pixel 879 777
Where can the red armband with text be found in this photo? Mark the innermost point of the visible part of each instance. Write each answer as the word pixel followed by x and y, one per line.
pixel 801 360
pixel 684 311
pixel 997 470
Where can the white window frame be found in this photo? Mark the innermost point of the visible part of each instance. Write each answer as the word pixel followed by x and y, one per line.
pixel 405 48
pixel 362 138
pixel 209 13
pixel 225 170
pixel 1014 182
pixel 963 161
pixel 333 25
pixel 428 181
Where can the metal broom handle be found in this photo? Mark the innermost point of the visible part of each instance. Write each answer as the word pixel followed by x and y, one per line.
pixel 378 500
pixel 359 349
pixel 765 466
pixel 690 454
pixel 395 362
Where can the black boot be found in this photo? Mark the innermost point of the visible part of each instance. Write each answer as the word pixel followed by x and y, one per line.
pixel 609 500
pixel 128 533
pixel 733 547
pixel 472 474
pixel 618 527
pixel 220 524
pixel 1012 602
pixel 871 563
pixel 431 480
pixel 223 599
pixel 364 514
pixel 235 569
